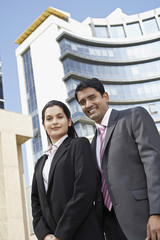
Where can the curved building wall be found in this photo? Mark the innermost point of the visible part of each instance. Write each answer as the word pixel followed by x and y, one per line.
pixel 124 53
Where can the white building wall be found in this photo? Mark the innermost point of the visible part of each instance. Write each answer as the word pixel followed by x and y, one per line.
pixel 47 69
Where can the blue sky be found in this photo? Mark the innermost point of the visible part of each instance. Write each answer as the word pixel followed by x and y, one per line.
pixel 16 16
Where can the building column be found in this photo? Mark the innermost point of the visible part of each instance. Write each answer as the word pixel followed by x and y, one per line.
pixel 13 207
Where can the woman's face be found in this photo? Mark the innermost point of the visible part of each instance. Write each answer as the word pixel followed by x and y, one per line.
pixel 56 123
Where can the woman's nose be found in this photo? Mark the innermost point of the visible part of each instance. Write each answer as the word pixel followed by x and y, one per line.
pixel 54 121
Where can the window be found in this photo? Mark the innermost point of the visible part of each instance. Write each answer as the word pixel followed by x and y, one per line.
pixel 133 30
pixel 102 31
pixel 32 103
pixel 152 109
pixel 117 31
pixel 1 88
pixel 150 26
pixel 135 71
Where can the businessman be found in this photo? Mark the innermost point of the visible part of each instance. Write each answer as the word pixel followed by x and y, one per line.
pixel 127 146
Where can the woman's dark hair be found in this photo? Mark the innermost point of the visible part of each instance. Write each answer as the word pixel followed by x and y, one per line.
pixel 71 130
pixel 93 83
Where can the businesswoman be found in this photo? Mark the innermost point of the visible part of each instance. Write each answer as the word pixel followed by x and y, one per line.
pixel 64 182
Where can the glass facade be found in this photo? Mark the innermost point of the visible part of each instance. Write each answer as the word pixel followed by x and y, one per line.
pixel 84 129
pixel 115 53
pixel 134 92
pixel 124 92
pixel 133 29
pixel 113 72
pixel 130 71
pixel 32 104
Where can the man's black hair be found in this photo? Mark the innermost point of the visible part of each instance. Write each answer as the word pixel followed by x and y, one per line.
pixel 92 83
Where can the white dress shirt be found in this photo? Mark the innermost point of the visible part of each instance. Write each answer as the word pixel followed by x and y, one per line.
pixel 104 122
pixel 51 150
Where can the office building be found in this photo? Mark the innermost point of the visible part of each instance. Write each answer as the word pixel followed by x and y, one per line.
pixel 56 52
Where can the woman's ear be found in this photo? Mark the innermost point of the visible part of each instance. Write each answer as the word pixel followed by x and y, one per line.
pixel 69 121
pixel 44 126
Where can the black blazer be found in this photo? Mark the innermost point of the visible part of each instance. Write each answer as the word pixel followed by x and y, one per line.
pixel 67 210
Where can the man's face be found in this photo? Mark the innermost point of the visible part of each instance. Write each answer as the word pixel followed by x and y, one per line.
pixel 93 104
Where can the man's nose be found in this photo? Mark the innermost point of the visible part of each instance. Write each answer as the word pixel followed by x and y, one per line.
pixel 88 103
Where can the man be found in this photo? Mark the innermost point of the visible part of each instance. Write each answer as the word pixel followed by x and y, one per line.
pixel 129 165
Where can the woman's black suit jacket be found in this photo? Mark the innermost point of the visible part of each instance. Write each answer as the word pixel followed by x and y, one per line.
pixel 66 210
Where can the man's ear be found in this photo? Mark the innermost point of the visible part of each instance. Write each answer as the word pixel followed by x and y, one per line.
pixel 106 96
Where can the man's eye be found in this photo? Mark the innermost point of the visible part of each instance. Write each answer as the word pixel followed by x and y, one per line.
pixel 92 98
pixel 82 103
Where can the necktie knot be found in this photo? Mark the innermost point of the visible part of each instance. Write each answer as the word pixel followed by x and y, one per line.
pixel 102 129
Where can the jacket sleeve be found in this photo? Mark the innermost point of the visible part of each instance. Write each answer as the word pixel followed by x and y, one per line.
pixel 148 142
pixel 84 192
pixel 39 225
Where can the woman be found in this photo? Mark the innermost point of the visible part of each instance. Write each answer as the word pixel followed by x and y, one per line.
pixel 65 181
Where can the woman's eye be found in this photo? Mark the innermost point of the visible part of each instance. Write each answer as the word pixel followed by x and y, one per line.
pixel 48 119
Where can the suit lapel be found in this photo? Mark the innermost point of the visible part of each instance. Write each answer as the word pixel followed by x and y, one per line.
pixel 93 143
pixel 111 125
pixel 94 147
pixel 61 150
pixel 39 173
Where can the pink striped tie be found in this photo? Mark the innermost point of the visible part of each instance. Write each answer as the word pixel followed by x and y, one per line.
pixel 106 197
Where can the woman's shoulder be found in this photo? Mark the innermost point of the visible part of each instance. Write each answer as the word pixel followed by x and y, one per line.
pixel 80 140
pixel 42 158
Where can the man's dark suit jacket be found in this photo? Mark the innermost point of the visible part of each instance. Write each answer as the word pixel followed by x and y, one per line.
pixel 131 166
pixel 66 210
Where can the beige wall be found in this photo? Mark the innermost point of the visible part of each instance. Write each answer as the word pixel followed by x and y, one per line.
pixel 15 129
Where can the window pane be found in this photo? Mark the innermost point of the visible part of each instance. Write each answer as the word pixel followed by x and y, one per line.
pixel 117 31
pixel 101 32
pixel 133 30
pixel 150 26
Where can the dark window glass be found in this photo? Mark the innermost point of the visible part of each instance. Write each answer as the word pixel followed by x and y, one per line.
pixel 1 105
pixel 1 88
pixel 32 103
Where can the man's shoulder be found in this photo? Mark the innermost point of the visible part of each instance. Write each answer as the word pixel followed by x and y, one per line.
pixel 130 114
pixel 131 110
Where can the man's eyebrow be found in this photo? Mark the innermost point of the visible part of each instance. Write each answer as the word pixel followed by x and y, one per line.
pixel 91 95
